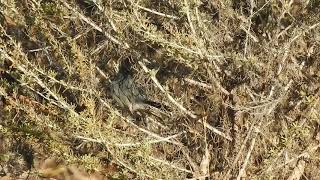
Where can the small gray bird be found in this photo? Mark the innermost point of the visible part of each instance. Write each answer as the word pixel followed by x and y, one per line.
pixel 129 95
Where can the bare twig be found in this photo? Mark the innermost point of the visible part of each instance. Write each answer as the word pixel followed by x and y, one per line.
pixel 205 163
pixel 189 17
pixel 247 30
pixel 156 12
pixel 99 48
pixel 206 86
pixel 108 18
pixel 310 150
pixel 39 49
pixel 157 83
pixel 170 164
pixel 60 102
pixel 83 33
pixel 165 139
pixel 197 83
pixel 130 121
pixel 257 11
pixel 239 153
pixel 288 45
pixel 215 130
pixel 102 73
pixel 298 170
pixel 246 161
pixel 121 163
pixel 95 26
pixel 253 37
pixel 213 75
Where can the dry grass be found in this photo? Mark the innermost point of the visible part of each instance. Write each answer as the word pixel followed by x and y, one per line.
pixel 241 80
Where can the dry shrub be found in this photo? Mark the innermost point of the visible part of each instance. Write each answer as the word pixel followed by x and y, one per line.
pixel 240 80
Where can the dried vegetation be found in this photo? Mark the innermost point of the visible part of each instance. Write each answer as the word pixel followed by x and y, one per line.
pixel 241 81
